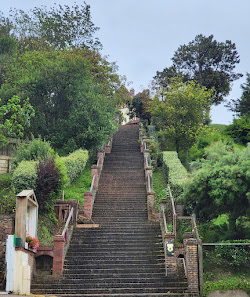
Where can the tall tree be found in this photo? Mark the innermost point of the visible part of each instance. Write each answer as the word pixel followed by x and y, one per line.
pixel 62 87
pixel 182 111
pixel 206 61
pixel 14 117
pixel 59 26
pixel 242 106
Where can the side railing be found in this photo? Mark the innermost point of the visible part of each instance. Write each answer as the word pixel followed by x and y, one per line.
pixel 148 176
pixel 96 170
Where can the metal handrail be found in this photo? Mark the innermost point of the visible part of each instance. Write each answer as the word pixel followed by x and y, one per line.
pixel 164 220
pixel 92 183
pixel 67 223
pixel 98 161
pixel 184 266
pixel 149 183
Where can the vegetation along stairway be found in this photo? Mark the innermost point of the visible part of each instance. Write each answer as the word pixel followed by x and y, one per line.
pixel 124 257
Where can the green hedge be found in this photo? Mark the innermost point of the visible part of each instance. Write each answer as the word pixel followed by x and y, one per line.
pixel 24 177
pixel 70 167
pixel 175 172
pixel 75 163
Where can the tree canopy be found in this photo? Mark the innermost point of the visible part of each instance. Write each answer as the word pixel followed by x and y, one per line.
pixel 14 118
pixel 59 26
pixel 221 186
pixel 182 111
pixel 206 61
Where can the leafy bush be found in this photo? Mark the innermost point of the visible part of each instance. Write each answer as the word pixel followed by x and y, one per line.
pixel 24 177
pixel 237 256
pixel 62 170
pixel 176 173
pixel 221 186
pixel 5 180
pixel 240 130
pixel 47 228
pixel 32 150
pixel 75 163
pixel 47 185
pixel 227 283
pixel 7 201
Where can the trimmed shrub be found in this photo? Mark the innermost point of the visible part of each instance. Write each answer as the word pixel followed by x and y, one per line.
pixel 24 177
pixel 175 172
pixel 75 163
pixel 47 185
pixel 32 150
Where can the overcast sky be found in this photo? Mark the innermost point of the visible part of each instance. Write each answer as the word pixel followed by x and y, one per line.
pixel 142 35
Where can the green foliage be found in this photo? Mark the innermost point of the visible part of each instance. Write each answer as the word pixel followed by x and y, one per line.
pixel 239 130
pixel 32 150
pixel 47 185
pixel 47 228
pixel 62 170
pixel 176 173
pixel 24 176
pixel 73 105
pixel 59 26
pixel 14 117
pixel 221 186
pixel 242 106
pixel 80 185
pixel 140 105
pixel 237 256
pixel 227 283
pixel 5 180
pixel 7 196
pixel 159 186
pixel 206 138
pixel 75 163
pixel 182 111
pixel 205 61
pixel 7 201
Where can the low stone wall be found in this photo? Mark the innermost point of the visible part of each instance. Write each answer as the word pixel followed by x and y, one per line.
pixel 229 293
pixel 6 228
pixel 4 164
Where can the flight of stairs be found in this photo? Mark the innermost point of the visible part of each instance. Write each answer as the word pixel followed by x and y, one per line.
pixel 124 256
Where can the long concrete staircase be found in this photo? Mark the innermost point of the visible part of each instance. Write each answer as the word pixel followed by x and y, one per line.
pixel 124 256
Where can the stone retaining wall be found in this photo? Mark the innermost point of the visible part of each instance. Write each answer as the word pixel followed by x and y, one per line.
pixel 4 164
pixel 6 228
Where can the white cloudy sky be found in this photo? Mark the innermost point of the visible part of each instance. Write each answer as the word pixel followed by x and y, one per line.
pixel 142 35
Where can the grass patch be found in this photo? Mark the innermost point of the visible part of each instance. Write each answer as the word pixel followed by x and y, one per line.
pixel 80 185
pixel 219 127
pixel 220 275
pixel 159 186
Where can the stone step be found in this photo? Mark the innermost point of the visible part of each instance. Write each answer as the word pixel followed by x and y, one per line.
pixel 125 295
pixel 111 290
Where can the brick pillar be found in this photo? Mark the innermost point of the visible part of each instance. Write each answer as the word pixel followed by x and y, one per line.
pixel 58 258
pixel 171 263
pixel 151 205
pixel 108 148
pixel 88 203
pixel 100 156
pixel 95 170
pixel 191 258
